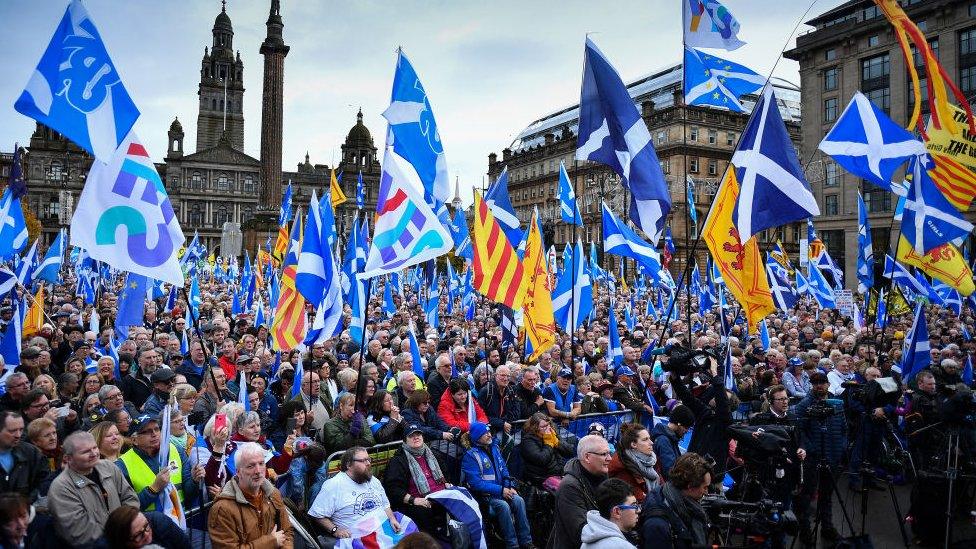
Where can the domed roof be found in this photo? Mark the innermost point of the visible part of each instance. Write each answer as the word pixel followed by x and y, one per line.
pixel 222 22
pixel 359 132
pixel 176 127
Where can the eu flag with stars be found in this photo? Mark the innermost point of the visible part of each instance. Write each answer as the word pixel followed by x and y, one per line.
pixel 77 90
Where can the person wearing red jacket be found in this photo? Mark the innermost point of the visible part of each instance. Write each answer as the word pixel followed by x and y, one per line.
pixel 454 410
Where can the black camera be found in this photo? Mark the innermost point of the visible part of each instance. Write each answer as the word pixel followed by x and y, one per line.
pixel 762 518
pixel 876 393
pixel 821 410
pixel 762 444
pixel 682 361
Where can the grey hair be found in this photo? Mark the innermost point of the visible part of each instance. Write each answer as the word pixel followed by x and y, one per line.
pixel 949 363
pixel 71 443
pixel 403 374
pixel 245 449
pixel 104 391
pixel 15 376
pixel 244 419
pixel 588 444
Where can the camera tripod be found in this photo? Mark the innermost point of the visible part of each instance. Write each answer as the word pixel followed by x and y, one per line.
pixel 866 474
pixel 951 472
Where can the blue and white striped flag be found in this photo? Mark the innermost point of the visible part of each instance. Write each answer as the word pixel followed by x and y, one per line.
pixel 464 508
pixel 567 198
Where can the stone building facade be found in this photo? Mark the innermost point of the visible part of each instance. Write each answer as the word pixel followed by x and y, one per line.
pixel 693 140
pixel 853 47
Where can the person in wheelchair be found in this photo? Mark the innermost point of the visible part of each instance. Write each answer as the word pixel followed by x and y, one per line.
pixel 543 453
pixel 487 477
pixel 413 472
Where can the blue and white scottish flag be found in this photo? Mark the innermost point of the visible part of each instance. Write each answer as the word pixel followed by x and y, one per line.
pixel 619 239
pixel 13 226
pixel 77 90
pixel 772 188
pixel 821 290
pixel 501 206
pixel 567 198
pixel 711 80
pixel 865 251
pixel 413 131
pixel 50 267
pixel 915 354
pixel 929 220
pixel 865 142
pixel 461 236
pixel 784 295
pixel 572 299
pixel 612 132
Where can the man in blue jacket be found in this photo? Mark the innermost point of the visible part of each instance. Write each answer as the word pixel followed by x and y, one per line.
pixel 487 477
pixel 667 435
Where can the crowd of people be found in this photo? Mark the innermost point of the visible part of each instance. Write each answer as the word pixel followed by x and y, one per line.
pixel 341 434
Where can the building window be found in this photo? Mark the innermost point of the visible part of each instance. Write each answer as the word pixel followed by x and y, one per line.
pixel 221 217
pixel 830 54
pixel 924 89
pixel 196 182
pixel 730 138
pixel 967 61
pixel 196 215
pixel 713 167
pixel 830 79
pixel 831 175
pixel 248 184
pixel 223 183
pixel 712 137
pixel 662 137
pixel 873 40
pixel 830 109
pixel 694 134
pixel 870 12
pixel 967 80
pixel 876 199
pixel 834 242
pixel 880 97
pixel 917 56
pixel 967 41
pixel 875 67
pixel 830 204
pixel 247 214
pixel 693 165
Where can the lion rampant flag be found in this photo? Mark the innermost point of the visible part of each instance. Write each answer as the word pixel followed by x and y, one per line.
pixel 741 265
pixel 945 263
pixel 540 324
pixel 338 197
pixel 35 315
pixel 498 273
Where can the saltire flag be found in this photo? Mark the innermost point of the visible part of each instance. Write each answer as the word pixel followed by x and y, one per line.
pixel 539 319
pixel 289 324
pixel 127 192
pixel 354 259
pixel 460 504
pixel 936 78
pixel 509 330
pixel 284 216
pixel 612 132
pixel 498 273
pixel 690 198
pixel 764 335
pixel 13 226
pixel 171 506
pixel 567 198
pixel 773 189
pixel 418 365
pixel 711 80
pixel 967 372
pixel 11 340
pixel 821 289
pixel 950 297
pixel 707 24
pixel 615 351
pixel 25 271
pixel 413 133
pixel 76 89
pixel 335 190
pixel 235 304
pixel 461 237
pixel 915 355
pixel 132 304
pixel 868 144
pixel 619 239
pixel 369 533
pixel 360 191
pixel 881 316
pixel 498 200
pixel 311 273
pixel 902 276
pixel 740 263
pixel 389 307
pixel 929 220
pixel 572 299
pixel 432 306
pixel 628 316
pixel 779 286
pixel 865 251
pixel 407 230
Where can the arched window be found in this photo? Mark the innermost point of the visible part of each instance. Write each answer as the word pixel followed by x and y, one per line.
pixel 221 216
pixel 223 183
pixel 196 182
pixel 213 104
pixel 196 216
pixel 247 214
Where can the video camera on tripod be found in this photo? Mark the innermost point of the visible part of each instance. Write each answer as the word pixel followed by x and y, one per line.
pixel 762 445
pixel 876 393
pixel 683 361
pixel 763 518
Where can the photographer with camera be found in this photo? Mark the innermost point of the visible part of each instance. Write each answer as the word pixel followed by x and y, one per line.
pixel 822 432
pixel 673 517
pixel 713 415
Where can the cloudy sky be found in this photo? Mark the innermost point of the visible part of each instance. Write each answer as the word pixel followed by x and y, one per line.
pixel 490 68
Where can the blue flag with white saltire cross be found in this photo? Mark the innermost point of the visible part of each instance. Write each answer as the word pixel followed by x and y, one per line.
pixel 567 198
pixel 711 80
pixel 915 354
pixel 612 132
pixel 13 226
pixel 865 251
pixel 499 202
pixel 929 220
pixel 772 188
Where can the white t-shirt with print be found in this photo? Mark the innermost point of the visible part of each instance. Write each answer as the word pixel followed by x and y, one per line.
pixel 347 504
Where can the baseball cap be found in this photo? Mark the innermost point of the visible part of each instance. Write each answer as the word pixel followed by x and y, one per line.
pixel 411 429
pixel 162 375
pixel 143 421
pixel 566 373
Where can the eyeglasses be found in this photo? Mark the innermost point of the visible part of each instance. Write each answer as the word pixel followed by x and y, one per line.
pixel 629 507
pixel 363 460
pixel 601 454
pixel 142 532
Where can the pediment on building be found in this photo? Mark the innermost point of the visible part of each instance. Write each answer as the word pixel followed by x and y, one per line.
pixel 223 153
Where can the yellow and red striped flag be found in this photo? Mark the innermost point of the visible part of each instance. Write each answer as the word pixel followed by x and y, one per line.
pixel 498 272
pixel 957 182
pixel 290 319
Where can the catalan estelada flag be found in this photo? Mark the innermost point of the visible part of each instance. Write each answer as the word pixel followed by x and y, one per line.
pixel 957 182
pixel 498 272
pixel 741 264
pixel 290 319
